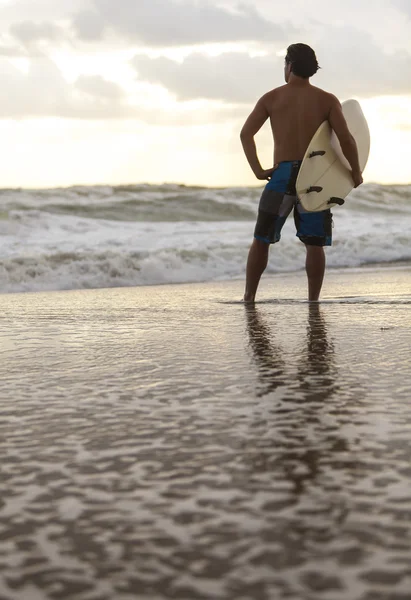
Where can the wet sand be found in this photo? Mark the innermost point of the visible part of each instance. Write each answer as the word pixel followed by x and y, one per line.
pixel 170 442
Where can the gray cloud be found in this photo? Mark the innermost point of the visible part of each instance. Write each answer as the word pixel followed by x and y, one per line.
pixel 403 5
pixel 30 28
pixel 175 23
pixel 89 26
pixel 43 92
pixel 99 87
pixel 35 93
pixel 28 32
pixel 232 77
pixel 353 65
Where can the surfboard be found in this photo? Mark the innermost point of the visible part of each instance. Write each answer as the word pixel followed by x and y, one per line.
pixel 324 179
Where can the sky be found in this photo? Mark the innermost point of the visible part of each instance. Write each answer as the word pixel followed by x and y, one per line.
pixel 155 91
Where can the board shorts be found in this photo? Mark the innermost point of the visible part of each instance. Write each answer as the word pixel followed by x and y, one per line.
pixel 277 201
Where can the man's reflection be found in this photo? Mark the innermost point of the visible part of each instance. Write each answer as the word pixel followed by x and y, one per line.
pixel 315 367
pixel 309 383
pixel 316 370
pixel 268 356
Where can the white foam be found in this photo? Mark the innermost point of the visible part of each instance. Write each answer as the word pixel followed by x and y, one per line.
pixel 53 240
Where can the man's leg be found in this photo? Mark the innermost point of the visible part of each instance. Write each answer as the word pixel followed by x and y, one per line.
pixel 315 267
pixel 256 264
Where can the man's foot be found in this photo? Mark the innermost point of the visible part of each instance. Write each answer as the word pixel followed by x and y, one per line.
pixel 248 299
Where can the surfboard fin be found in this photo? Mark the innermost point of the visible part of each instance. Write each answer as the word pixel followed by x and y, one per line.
pixel 314 188
pixel 338 201
pixel 317 153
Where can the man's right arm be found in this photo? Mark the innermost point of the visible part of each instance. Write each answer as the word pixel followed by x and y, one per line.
pixel 347 142
pixel 252 125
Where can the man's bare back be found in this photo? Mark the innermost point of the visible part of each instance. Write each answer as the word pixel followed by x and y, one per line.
pixel 295 115
pixel 296 110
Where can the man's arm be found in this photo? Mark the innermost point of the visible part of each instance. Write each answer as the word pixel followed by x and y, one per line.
pixel 252 125
pixel 347 142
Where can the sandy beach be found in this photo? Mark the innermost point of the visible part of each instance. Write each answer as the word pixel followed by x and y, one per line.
pixel 169 442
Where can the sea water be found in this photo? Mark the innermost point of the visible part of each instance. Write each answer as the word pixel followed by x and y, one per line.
pixel 103 236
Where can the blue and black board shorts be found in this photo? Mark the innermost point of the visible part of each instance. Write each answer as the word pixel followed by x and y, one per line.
pixel 277 201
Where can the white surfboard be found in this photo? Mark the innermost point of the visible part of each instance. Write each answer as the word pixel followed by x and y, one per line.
pixel 324 179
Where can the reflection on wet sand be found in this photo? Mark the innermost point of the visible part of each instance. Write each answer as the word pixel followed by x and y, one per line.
pixel 308 382
pixel 147 455
pixel 316 372
pixel 268 354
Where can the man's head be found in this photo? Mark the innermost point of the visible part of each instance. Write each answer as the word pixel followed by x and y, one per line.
pixel 301 61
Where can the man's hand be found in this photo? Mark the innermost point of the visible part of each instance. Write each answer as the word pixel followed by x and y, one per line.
pixel 357 178
pixel 265 174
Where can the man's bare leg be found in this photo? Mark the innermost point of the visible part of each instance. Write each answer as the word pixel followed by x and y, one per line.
pixel 256 264
pixel 315 267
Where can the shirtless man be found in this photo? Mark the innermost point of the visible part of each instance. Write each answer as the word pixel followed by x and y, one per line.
pixel 295 110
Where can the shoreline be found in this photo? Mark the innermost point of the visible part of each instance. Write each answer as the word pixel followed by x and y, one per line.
pixel 256 185
pixel 267 277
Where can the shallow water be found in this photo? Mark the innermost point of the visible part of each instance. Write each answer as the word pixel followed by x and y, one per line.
pixel 166 442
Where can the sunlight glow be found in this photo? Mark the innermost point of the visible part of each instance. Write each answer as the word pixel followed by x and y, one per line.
pixel 164 140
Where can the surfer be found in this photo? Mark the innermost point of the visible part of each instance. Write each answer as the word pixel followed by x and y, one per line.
pixel 295 110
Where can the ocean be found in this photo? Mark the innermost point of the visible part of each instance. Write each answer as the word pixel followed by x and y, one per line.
pixel 170 441
pixel 132 235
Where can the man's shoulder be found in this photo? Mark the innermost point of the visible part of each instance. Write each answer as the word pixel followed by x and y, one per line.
pixel 268 97
pixel 327 96
pixel 276 91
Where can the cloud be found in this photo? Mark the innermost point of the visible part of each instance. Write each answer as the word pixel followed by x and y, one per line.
pixel 28 32
pixel 353 65
pixel 403 5
pixel 175 23
pixel 39 10
pixel 99 87
pixel 11 51
pixel 43 92
pixel 36 26
pixel 26 93
pixel 233 77
pixel 89 26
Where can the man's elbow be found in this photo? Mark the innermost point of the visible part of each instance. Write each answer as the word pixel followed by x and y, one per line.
pixel 345 138
pixel 245 134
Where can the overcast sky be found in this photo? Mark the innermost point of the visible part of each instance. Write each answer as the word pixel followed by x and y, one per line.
pixel 110 91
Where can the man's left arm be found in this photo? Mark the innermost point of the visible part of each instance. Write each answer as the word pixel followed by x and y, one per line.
pixel 252 125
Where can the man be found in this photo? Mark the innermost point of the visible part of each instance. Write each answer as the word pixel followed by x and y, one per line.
pixel 295 110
